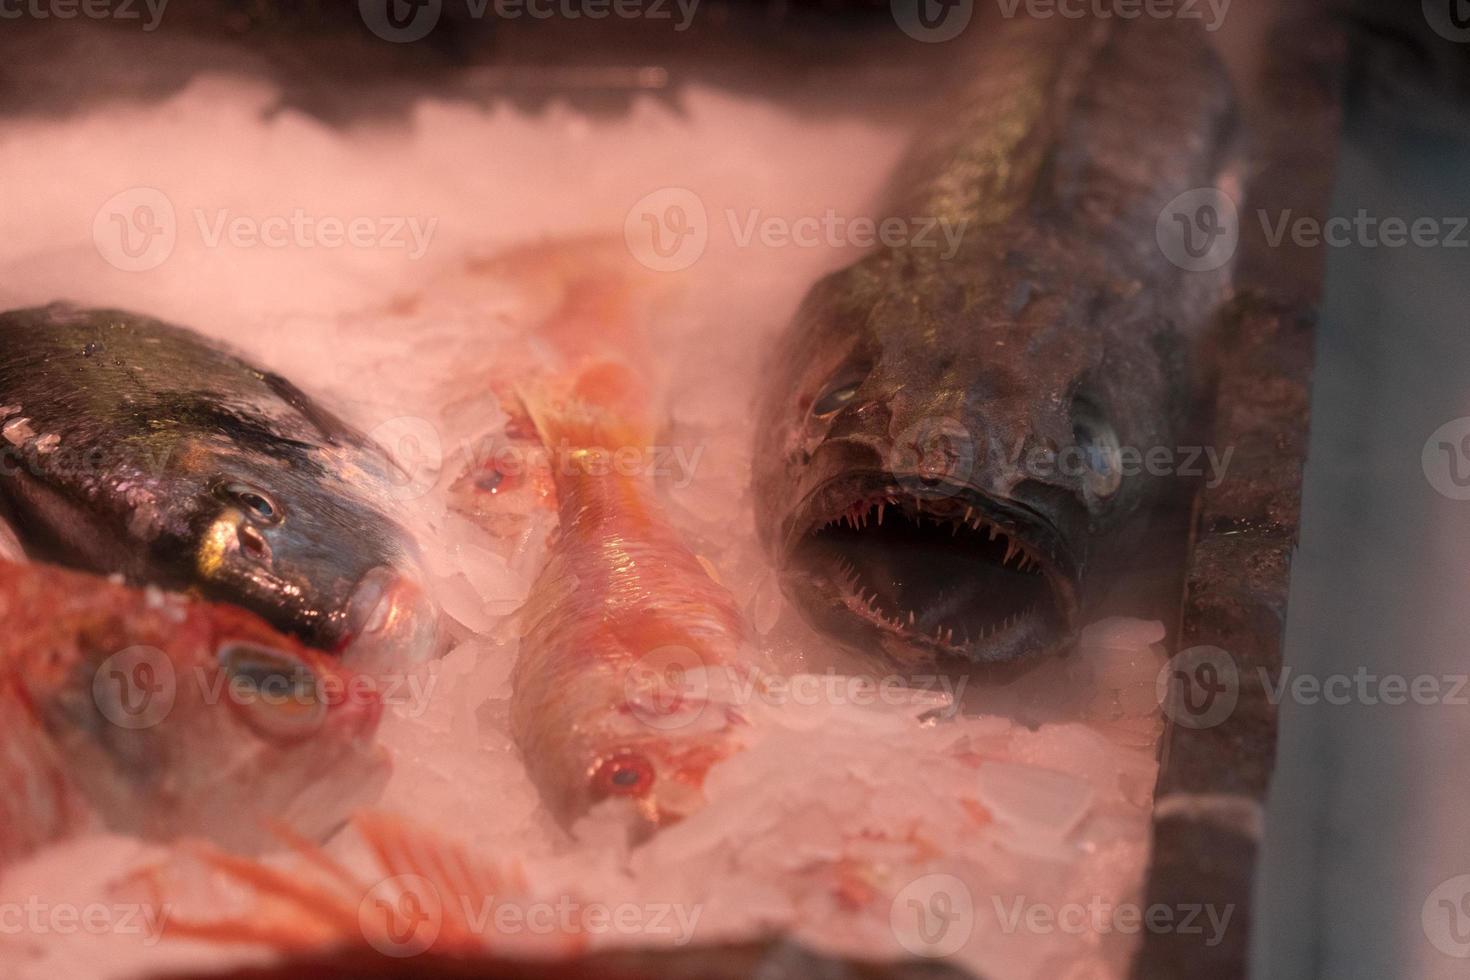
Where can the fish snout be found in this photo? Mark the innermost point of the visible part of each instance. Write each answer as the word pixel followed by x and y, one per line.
pixel 391 622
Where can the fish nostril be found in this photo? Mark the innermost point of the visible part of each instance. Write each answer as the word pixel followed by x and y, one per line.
pixel 253 543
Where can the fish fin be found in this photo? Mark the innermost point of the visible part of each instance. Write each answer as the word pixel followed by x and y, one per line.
pixel 296 911
pixel 604 407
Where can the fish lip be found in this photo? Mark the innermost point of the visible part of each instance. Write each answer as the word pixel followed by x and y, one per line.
pixel 390 622
pixel 833 608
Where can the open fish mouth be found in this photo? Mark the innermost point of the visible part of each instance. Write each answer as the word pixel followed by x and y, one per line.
pixel 931 572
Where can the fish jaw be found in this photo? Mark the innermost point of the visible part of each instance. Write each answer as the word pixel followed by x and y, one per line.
pixel 931 572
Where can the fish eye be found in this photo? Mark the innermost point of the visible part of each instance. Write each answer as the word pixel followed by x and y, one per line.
pixel 834 398
pixel 254 501
pixel 1101 453
pixel 276 694
pixel 623 774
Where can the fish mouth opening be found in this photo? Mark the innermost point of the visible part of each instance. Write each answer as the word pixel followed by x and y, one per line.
pixel 932 572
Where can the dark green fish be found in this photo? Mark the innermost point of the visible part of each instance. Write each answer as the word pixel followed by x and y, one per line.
pixel 949 432
pixel 132 446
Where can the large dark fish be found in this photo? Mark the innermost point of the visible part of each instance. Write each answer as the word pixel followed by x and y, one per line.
pixel 136 447
pixel 947 432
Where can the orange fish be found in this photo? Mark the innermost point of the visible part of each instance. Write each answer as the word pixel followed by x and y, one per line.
pixel 157 715
pixel 633 656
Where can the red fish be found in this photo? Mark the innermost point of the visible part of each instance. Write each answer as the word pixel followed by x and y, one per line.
pixel 632 660
pixel 158 715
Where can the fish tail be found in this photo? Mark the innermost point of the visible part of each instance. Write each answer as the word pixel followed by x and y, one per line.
pixel 605 407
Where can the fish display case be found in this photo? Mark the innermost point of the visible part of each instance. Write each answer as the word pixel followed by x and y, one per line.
pixel 335 82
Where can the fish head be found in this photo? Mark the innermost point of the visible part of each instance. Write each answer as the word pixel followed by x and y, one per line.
pixel 291 540
pixel 943 444
pixel 216 726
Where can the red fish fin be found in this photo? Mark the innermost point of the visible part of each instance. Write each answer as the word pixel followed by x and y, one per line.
pixel 605 407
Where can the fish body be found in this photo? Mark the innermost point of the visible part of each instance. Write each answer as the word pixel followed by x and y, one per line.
pixel 632 653
pixel 941 450
pixel 161 716
pixel 136 447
